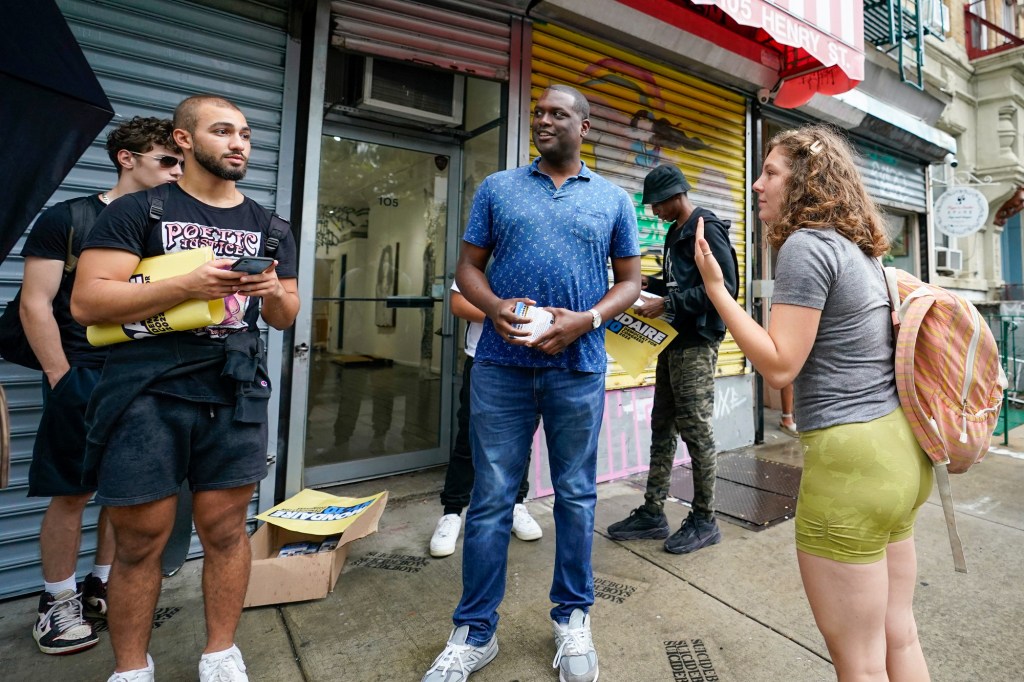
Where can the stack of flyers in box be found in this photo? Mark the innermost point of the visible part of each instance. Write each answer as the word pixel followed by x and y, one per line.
pixel 329 544
pixel 297 548
pixel 540 320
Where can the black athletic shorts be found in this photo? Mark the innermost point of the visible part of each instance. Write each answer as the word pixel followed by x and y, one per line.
pixel 161 440
pixel 58 454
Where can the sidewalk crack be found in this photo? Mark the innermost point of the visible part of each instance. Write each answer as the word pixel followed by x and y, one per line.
pixel 293 644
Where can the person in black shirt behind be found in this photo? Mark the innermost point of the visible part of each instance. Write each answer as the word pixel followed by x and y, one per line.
pixel 144 155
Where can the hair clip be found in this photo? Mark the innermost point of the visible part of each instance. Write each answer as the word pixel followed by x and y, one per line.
pixel 815 146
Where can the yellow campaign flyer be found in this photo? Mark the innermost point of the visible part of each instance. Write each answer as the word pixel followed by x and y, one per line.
pixel 318 513
pixel 635 341
pixel 187 315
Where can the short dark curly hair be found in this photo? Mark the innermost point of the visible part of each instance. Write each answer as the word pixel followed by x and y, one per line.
pixel 140 134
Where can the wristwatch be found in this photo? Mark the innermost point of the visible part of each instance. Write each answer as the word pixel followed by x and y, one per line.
pixel 597 318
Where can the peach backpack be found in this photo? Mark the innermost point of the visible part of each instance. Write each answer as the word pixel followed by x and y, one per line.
pixel 950 381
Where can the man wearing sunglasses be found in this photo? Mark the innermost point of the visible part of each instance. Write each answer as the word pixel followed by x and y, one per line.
pixel 144 155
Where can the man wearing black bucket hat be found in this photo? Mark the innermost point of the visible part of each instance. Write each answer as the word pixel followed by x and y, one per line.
pixel 684 392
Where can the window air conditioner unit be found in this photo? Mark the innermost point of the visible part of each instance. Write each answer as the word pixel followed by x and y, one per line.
pixel 411 92
pixel 948 260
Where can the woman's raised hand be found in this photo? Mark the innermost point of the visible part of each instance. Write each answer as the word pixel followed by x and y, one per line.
pixel 705 259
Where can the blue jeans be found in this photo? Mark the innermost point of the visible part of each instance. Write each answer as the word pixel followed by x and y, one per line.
pixel 505 404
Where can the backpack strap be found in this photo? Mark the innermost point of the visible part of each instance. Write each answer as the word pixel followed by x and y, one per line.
pixel 82 220
pixel 277 228
pixel 156 196
pixel 946 496
pixel 275 233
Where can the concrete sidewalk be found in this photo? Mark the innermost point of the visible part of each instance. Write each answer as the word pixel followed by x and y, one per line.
pixel 735 612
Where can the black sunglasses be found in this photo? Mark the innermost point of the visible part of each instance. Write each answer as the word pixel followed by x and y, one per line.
pixel 164 161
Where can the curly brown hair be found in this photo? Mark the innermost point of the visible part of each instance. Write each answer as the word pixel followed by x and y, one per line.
pixel 139 135
pixel 825 189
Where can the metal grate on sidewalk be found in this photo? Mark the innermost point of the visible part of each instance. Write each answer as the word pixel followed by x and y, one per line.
pixel 751 492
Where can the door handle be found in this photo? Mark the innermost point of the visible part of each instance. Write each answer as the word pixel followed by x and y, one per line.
pixel 409 301
pixel 301 350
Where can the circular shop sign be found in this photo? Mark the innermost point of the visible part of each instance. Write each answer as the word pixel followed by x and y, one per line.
pixel 961 211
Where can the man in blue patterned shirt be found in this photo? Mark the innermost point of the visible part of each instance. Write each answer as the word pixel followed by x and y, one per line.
pixel 551 228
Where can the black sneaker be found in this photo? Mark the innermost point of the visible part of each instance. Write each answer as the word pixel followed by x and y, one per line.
pixel 60 627
pixel 94 597
pixel 696 532
pixel 641 525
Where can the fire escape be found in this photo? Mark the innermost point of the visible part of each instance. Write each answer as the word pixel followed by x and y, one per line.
pixel 898 28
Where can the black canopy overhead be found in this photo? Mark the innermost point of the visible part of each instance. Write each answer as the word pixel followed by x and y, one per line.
pixel 51 109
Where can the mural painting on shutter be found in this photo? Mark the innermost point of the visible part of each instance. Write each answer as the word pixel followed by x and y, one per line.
pixel 644 114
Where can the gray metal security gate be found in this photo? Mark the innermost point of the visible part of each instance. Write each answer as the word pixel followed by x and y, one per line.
pixel 892 181
pixel 148 56
pixel 422 33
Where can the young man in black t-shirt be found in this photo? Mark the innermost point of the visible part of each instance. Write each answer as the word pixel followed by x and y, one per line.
pixel 184 404
pixel 143 154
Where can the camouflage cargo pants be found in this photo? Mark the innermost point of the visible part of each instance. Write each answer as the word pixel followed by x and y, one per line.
pixel 684 404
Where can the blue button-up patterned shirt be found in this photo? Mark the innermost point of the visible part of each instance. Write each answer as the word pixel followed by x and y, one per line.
pixel 551 245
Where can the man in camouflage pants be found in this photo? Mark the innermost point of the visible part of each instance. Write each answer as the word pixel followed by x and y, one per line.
pixel 684 390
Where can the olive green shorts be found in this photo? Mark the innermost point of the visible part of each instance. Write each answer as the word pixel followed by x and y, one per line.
pixel 861 487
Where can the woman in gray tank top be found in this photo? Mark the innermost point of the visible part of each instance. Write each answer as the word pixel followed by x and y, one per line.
pixel 864 474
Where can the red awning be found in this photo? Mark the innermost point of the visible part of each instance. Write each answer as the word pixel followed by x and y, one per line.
pixel 820 43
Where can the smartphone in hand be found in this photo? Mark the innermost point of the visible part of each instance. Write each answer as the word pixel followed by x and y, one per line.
pixel 252 265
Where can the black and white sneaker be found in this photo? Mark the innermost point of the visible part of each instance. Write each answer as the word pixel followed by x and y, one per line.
pixel 94 598
pixel 61 628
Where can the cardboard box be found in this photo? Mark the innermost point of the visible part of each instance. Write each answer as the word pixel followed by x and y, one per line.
pixel 280 580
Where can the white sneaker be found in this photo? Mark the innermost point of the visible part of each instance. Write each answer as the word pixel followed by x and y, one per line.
pixel 459 660
pixel 140 675
pixel 523 525
pixel 575 656
pixel 442 543
pixel 223 666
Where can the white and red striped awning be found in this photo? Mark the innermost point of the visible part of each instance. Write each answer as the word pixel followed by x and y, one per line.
pixel 821 41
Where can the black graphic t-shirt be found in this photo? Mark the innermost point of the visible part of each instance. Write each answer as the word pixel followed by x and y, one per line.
pixel 49 239
pixel 187 224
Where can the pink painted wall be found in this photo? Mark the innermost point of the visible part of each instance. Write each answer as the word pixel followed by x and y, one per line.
pixel 624 448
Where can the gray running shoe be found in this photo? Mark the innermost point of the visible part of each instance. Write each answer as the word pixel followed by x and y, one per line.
pixel 640 525
pixel 575 656
pixel 696 532
pixel 459 660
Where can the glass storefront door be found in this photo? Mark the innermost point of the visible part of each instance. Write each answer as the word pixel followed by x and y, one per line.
pixel 380 344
